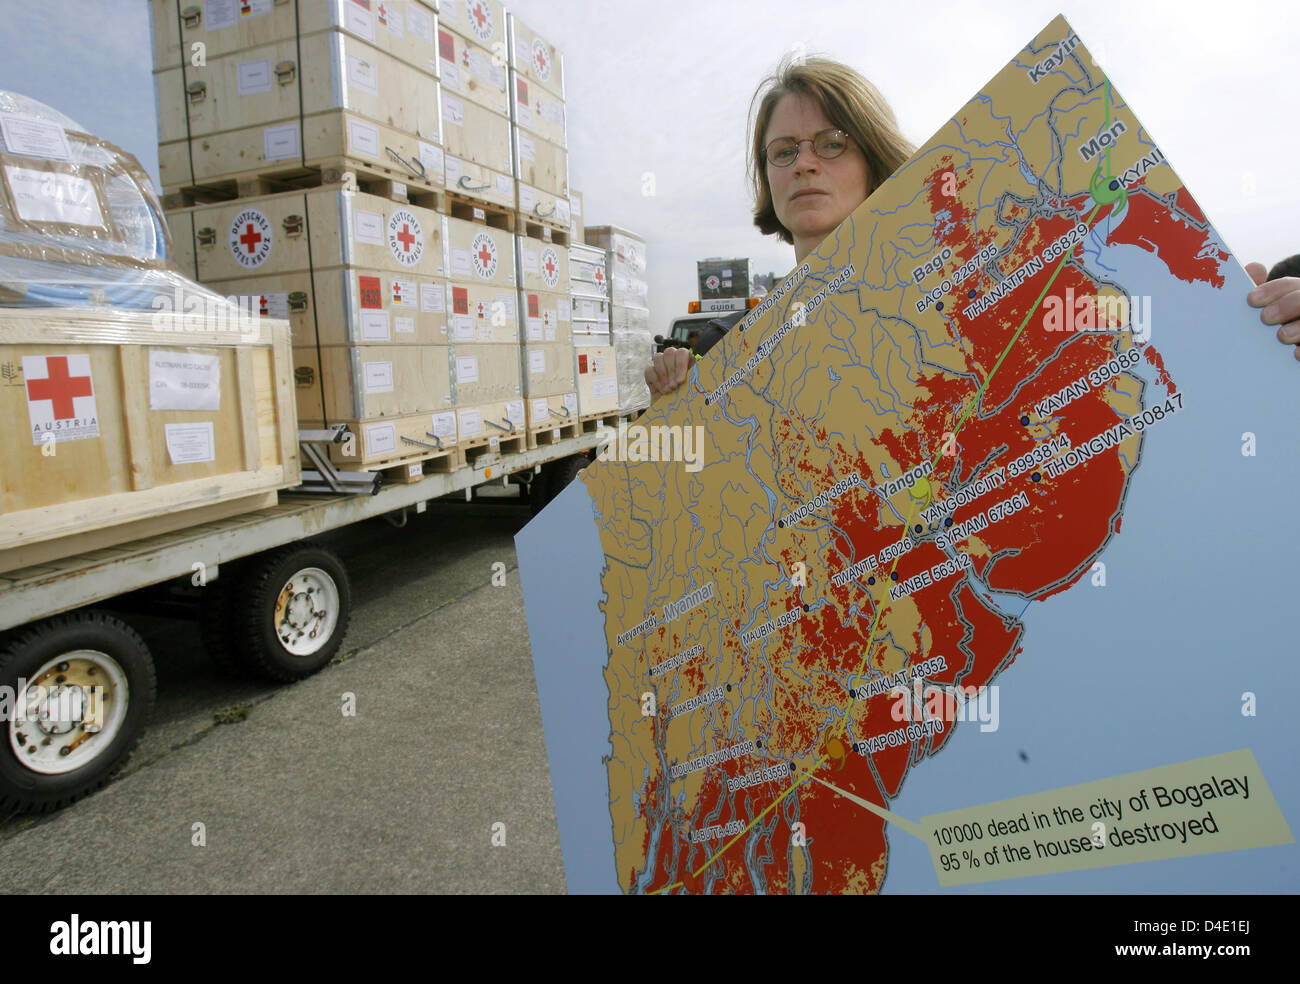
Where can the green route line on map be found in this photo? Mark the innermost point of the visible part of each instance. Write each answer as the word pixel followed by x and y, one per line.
pixel 871 634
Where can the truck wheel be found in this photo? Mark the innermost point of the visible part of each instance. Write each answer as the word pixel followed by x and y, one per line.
pixel 292 611
pixel 83 687
pixel 555 476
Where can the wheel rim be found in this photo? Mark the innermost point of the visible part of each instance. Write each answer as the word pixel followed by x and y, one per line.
pixel 306 611
pixel 52 729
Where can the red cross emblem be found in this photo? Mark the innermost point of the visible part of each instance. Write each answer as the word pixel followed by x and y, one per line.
pixel 251 238
pixel 550 266
pixel 478 14
pixel 480 310
pixel 405 238
pixel 264 306
pixel 541 60
pixel 397 289
pixel 485 254
pixel 600 276
pixel 59 387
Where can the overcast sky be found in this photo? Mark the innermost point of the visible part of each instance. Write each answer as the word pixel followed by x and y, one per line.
pixel 664 88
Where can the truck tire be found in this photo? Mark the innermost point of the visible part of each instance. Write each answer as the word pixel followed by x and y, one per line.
pixel 291 611
pixel 49 756
pixel 554 477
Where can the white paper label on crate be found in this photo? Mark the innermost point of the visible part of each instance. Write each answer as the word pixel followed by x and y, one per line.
pixel 541 410
pixel 444 425
pixel 419 23
pixel 184 380
pixel 390 16
pixel 575 207
pixel 363 74
pixel 399 189
pixel 403 293
pixel 431 299
pixel 374 326
pixel 405 237
pixel 562 309
pixel 431 158
pixel 530 260
pixel 448 12
pixel 60 397
pixel 550 331
pixel 527 150
pixel 274 304
pixel 34 138
pixel 380 438
pixel 404 326
pixel 534 329
pixel 460 264
pixel 367 227
pixel 537 361
pixel 453 171
pixel 507 303
pixel 571 403
pixel 254 77
pixel 562 210
pixel 363 138
pixel 190 444
pixel 453 110
pixel 526 198
pixel 497 73
pixel 220 13
pixel 360 21
pixel 478 62
pixel 449 74
pixel 503 185
pixel 467 367
pixel 485 331
pixel 250 238
pixel 483 255
pixel 462 327
pixel 377 377
pixel 470 422
pixel 515 412
pixel 50 196
pixel 280 143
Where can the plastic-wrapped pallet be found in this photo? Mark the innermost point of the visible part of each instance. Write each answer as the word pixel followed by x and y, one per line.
pixel 629 315
pixel 132 400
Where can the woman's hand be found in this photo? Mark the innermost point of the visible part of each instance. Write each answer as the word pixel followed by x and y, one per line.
pixel 1280 300
pixel 667 371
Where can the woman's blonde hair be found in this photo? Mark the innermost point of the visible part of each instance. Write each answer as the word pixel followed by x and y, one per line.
pixel 849 101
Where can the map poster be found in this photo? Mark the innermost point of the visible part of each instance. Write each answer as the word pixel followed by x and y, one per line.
pixel 963 563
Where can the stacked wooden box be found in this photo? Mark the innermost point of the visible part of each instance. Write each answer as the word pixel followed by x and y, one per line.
pixel 593 354
pixel 629 315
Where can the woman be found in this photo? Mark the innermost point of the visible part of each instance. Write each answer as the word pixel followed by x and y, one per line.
pixel 807 180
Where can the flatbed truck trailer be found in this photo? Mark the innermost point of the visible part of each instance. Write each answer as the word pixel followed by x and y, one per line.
pixel 77 683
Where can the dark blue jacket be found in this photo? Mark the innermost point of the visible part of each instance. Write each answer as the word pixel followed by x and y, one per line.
pixel 714 330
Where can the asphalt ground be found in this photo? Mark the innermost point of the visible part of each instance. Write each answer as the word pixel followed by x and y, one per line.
pixel 443 757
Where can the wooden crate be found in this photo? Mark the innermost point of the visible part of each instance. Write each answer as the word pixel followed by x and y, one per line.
pixel 113 469
pixel 625 264
pixel 544 167
pixel 468 69
pixel 542 265
pixel 486 373
pixel 547 316
pixel 409 35
pixel 367 382
pixel 497 426
pixel 587 270
pixel 538 111
pixel 552 419
pixel 577 229
pixel 548 368
pixel 482 22
pixel 480 312
pixel 596 372
pixel 251 110
pixel 534 58
pixel 479 253
pixel 478 155
pixel 376 445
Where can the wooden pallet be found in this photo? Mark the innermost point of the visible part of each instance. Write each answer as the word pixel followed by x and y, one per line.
pixel 451 460
pixel 544 436
pixel 487 213
pixel 593 422
pixel 536 228
pixel 395 183
pixel 484 448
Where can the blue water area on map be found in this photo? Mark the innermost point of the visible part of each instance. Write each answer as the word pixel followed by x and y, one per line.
pixel 560 561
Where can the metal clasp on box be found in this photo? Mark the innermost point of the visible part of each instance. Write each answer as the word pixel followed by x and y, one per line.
pixel 207 236
pixel 297 300
pixel 191 16
pixel 292 226
pixel 197 91
pixel 304 375
pixel 285 72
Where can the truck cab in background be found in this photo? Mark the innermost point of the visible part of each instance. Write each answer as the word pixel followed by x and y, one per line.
pixel 723 288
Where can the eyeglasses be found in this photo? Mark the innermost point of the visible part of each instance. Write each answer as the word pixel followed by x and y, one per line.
pixel 784 151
